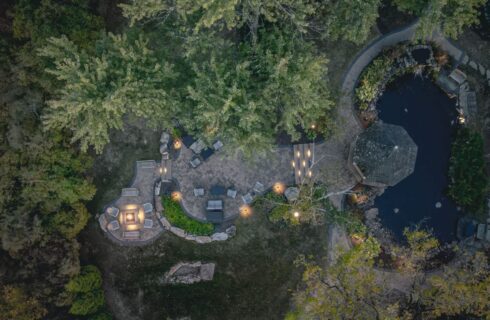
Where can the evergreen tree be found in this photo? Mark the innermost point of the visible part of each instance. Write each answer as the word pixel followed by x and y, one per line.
pixel 123 78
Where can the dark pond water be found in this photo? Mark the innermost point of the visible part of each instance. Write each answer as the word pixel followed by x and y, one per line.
pixel 429 117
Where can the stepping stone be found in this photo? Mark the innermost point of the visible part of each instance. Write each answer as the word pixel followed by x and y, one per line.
pixel 466 59
pixel 482 69
pixel 396 210
pixel 438 205
pixel 474 65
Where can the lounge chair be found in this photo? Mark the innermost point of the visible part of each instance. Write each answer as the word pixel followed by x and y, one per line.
pixel 131 235
pixel 217 145
pixel 214 211
pixel 195 162
pixel 113 225
pixel 148 224
pixel 147 208
pixel 198 192
pixel 197 146
pixel 231 193
pixel 248 198
pixel 259 187
pixel 112 211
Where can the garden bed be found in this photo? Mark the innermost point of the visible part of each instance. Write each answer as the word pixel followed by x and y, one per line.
pixel 176 216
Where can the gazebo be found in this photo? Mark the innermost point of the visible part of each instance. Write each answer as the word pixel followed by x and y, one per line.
pixel 382 155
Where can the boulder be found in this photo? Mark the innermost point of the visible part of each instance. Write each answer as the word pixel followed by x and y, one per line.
pixel 189 272
pixel 371 214
pixel 219 236
pixel 190 237
pixel 203 239
pixel 231 231
pixel 178 232
pixel 165 223
pixel 292 194
pixel 164 138
pixel 474 65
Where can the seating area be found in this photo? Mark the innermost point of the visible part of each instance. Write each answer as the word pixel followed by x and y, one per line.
pixel 200 150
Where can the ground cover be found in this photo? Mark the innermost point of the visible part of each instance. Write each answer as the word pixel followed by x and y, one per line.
pixel 176 216
pixel 254 277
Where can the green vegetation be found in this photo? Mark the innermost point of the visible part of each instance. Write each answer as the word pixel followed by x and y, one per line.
pixel 372 80
pixel 15 304
pixel 449 16
pixel 86 289
pixel 468 183
pixel 352 287
pixel 176 216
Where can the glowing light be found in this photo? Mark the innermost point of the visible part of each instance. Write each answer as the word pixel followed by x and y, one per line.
pixel 309 173
pixel 298 154
pixel 161 171
pixel 165 169
pixel 296 214
pixel 132 227
pixel 313 126
pixel 279 187
pixel 130 216
pixel 245 211
pixel 299 172
pixel 308 153
pixel 304 163
pixel 131 207
pixel 177 144
pixel 176 196
pixel 461 119
pixel 293 164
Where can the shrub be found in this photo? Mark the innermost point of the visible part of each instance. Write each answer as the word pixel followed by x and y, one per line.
pixel 86 289
pixel 176 216
pixel 468 180
pixel 371 80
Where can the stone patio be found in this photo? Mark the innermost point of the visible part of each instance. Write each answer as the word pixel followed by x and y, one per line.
pixel 229 171
pixel 131 217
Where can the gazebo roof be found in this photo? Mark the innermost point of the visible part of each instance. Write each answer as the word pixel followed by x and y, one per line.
pixel 383 155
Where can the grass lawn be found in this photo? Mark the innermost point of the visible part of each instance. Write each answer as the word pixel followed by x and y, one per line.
pixel 254 276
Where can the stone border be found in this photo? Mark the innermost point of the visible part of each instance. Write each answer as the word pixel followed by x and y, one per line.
pixel 181 233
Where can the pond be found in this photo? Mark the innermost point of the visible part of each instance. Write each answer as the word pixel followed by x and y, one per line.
pixel 429 116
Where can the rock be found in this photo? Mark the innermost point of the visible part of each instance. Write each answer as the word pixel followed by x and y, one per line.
pixel 189 272
pixel 190 237
pixel 178 232
pixel 165 223
pixel 371 213
pixel 396 210
pixel 466 59
pixel 482 69
pixel 292 194
pixel 231 231
pixel 163 148
pixel 164 138
pixel 438 205
pixel 474 65
pixel 207 271
pixel 203 239
pixel 219 236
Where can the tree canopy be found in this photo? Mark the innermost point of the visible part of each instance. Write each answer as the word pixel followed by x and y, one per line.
pixel 123 77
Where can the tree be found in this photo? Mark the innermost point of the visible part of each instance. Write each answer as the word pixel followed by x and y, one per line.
pixel 349 20
pixel 468 181
pixel 448 16
pixel 124 77
pixel 15 304
pixel 36 21
pixel 276 85
pixel 87 291
pixel 347 289
pixel 462 288
pixel 228 13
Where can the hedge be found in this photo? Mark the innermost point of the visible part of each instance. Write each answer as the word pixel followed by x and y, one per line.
pixel 177 217
pixel 468 179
